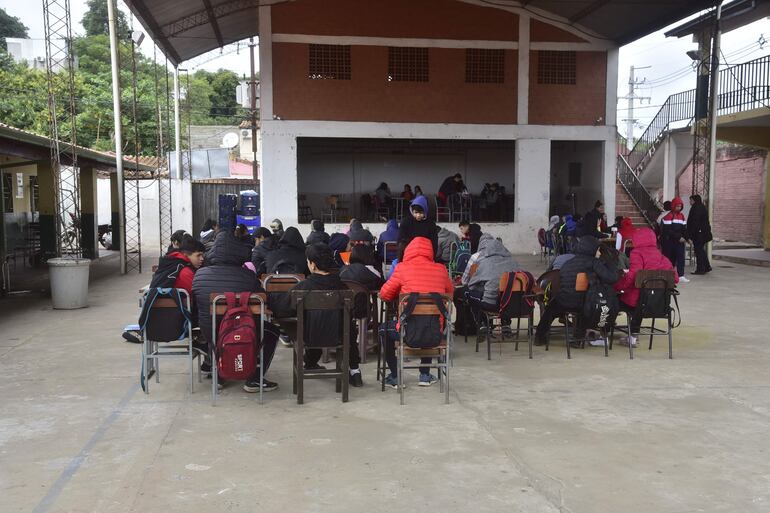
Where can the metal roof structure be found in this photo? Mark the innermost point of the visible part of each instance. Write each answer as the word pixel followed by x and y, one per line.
pixel 31 146
pixel 734 15
pixel 188 28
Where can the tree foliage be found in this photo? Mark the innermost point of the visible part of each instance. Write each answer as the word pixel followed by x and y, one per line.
pixel 95 20
pixel 209 97
pixel 10 26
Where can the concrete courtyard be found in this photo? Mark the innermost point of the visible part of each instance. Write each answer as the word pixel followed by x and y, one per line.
pixel 589 435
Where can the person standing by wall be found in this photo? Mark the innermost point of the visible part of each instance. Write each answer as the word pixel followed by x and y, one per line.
pixel 672 237
pixel 699 233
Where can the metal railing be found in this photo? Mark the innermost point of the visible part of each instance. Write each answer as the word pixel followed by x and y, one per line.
pixel 641 197
pixel 742 87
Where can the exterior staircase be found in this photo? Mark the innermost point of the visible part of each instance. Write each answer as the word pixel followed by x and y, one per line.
pixel 741 87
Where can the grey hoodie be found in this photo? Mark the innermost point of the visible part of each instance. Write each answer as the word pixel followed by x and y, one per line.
pixel 493 261
pixel 445 240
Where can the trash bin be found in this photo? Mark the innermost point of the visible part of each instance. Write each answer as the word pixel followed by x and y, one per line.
pixel 69 282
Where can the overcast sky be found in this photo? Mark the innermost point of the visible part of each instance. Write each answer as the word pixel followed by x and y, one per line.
pixel 670 70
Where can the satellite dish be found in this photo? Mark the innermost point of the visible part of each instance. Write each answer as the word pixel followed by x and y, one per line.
pixel 230 140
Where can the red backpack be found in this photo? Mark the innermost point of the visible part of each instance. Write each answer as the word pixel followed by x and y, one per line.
pixel 237 344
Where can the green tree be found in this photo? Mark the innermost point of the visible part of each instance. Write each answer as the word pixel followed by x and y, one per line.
pixel 10 26
pixel 95 20
pixel 224 105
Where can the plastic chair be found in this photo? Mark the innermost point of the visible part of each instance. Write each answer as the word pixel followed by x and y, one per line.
pixel 161 337
pixel 258 306
pixel 441 353
pixel 330 300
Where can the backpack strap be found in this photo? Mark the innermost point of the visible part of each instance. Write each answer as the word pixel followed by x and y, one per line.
pixel 411 303
pixel 436 297
pixel 243 299
pixel 230 299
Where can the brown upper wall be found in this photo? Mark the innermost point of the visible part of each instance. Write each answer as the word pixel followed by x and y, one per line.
pixel 578 104
pixel 431 19
pixel 543 32
pixel 368 96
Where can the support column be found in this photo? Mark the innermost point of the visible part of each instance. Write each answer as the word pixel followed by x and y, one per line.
pixel 766 226
pixel 522 86
pixel 47 208
pixel 115 188
pixel 669 168
pixel 265 64
pixel 533 183
pixel 89 219
pixel 278 187
pixel 609 178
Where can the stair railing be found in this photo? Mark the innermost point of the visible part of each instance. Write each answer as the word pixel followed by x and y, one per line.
pixel 638 193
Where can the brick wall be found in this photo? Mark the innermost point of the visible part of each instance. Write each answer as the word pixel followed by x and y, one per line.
pixel 368 96
pixel 578 104
pixel 739 202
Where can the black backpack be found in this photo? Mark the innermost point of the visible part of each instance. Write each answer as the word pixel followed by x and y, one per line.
pixel 600 306
pixel 422 331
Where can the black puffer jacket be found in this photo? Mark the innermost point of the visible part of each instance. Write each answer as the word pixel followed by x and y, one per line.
pixel 589 225
pixel 322 328
pixel 259 254
pixel 362 275
pixel 318 234
pixel 584 261
pixel 224 273
pixel 290 255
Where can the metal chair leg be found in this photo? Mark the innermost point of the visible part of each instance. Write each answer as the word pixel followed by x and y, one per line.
pixel 489 338
pixel 566 337
pixel 630 345
pixel 670 339
pixel 652 333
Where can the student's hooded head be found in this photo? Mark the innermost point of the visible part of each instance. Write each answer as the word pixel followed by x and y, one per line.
pixel 587 245
pixel 361 254
pixel 320 258
pixel 419 208
pixel 229 250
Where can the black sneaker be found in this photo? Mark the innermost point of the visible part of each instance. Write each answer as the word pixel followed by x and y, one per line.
pixel 356 380
pixel 315 366
pixel 206 367
pixel 252 385
pixel 286 341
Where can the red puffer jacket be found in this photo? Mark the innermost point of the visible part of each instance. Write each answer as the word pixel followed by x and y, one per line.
pixel 644 256
pixel 417 273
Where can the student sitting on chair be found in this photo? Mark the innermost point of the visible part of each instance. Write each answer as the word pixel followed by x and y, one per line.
pixel 586 260
pixel 322 328
pixel 493 261
pixel 362 268
pixel 416 273
pixel 645 256
pixel 177 269
pixel 224 272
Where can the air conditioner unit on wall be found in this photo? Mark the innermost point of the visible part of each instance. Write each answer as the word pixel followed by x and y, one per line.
pixel 246 134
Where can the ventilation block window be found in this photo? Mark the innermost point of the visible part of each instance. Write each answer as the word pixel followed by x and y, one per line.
pixel 8 192
pixel 484 66
pixel 554 67
pixel 329 62
pixel 407 64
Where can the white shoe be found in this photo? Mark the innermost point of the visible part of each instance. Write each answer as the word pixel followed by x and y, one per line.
pixel 599 342
pixel 683 279
pixel 624 341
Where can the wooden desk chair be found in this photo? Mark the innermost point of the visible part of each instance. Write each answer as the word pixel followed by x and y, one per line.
pixel 656 289
pixel 426 306
pixel 258 307
pixel 365 310
pixel 331 300
pixel 166 333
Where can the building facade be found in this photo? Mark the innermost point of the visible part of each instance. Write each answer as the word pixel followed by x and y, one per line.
pixel 355 94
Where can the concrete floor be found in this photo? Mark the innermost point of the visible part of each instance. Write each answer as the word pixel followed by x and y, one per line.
pixel 589 435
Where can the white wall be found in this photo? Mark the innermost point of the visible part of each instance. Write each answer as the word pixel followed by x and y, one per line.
pixel 104 201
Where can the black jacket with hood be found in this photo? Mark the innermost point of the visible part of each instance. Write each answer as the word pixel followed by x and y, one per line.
pixel 363 275
pixel 318 234
pixel 698 226
pixel 289 258
pixel 224 272
pixel 589 225
pixel 259 254
pixel 584 261
pixel 322 328
pixel 411 228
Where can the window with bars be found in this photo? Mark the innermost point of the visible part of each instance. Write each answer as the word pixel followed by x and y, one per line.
pixel 484 66
pixel 407 64
pixel 556 67
pixel 329 62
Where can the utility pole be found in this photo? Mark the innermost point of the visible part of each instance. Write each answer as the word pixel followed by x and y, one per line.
pixel 253 108
pixel 115 63
pixel 633 84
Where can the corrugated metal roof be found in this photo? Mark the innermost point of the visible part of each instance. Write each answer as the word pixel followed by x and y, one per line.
pixel 92 156
pixel 187 28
